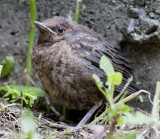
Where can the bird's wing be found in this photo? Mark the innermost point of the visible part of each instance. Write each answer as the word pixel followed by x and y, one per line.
pixel 92 51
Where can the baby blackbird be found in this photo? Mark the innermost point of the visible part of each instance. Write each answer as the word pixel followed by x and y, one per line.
pixel 66 55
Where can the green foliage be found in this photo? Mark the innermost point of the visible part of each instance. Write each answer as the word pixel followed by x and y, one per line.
pixel 138 118
pixel 118 112
pixel 39 92
pixel 106 65
pixel 113 79
pixel 29 125
pixel 126 136
pixel 39 117
pixel 22 94
pixel 8 64
pixel 68 131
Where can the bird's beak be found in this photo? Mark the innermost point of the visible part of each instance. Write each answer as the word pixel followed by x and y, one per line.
pixel 42 27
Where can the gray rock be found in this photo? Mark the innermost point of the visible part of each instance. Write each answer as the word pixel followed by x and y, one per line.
pixel 148 25
pixel 133 12
pixel 131 27
pixel 152 15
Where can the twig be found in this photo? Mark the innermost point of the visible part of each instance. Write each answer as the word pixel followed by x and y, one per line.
pixel 136 94
pixel 6 106
pixel 141 135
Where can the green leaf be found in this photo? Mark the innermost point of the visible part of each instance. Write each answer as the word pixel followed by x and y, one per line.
pixel 20 88
pixel 131 135
pixel 11 91
pixel 120 121
pixel 31 96
pixel 126 136
pixel 14 100
pixel 7 94
pixel 126 108
pixel 26 91
pixel 98 80
pixel 28 124
pixel 106 65
pixel 68 131
pixel 138 118
pixel 39 117
pixel 1 67
pixel 15 94
pixel 115 78
pixel 26 100
pixel 8 64
pixel 6 99
pixel 122 107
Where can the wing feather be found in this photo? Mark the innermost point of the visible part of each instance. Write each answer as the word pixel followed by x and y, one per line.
pixel 94 54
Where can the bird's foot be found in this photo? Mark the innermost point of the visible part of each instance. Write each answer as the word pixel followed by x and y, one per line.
pixel 68 129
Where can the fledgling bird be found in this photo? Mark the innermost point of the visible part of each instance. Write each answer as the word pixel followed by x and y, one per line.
pixel 66 55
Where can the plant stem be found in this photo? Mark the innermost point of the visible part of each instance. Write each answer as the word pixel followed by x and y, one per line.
pixel 21 98
pixel 155 109
pixel 100 116
pixel 64 113
pixel 124 88
pixel 1 67
pixel 31 37
pixel 77 11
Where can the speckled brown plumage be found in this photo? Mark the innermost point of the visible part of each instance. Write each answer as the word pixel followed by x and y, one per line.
pixel 66 55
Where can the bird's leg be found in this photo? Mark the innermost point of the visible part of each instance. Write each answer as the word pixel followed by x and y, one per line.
pixel 88 116
pixel 83 121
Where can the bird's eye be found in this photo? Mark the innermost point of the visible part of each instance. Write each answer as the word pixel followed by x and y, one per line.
pixel 60 30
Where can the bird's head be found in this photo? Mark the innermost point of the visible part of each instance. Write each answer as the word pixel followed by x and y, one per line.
pixel 55 29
